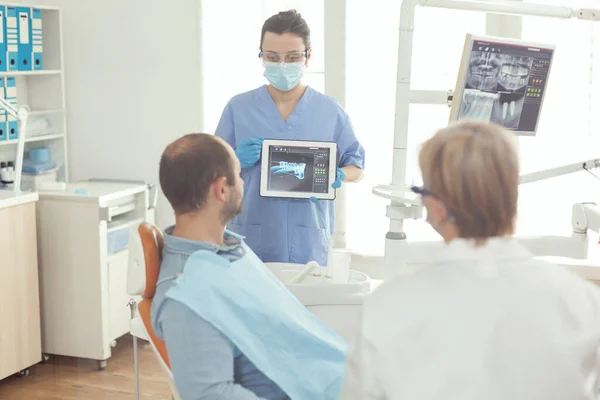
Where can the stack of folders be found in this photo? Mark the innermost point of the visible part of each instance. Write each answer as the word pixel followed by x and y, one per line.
pixel 21 39
pixel 9 125
pixel 21 49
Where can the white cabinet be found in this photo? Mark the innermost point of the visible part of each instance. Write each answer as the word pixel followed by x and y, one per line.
pixel 83 269
pixel 19 302
pixel 118 311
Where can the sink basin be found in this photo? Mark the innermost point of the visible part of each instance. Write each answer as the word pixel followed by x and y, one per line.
pixel 320 290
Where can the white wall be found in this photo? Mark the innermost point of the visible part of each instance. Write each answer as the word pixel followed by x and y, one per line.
pixel 124 53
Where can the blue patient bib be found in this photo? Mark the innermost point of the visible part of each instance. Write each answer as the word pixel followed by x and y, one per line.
pixel 246 302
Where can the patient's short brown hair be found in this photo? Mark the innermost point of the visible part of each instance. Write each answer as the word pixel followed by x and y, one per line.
pixel 189 166
pixel 473 168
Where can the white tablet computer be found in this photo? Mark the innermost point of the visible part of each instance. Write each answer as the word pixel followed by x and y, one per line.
pixel 298 169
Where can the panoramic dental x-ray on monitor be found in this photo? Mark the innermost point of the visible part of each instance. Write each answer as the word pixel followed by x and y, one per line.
pixel 502 81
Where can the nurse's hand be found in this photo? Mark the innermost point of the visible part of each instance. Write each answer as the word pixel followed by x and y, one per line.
pixel 248 151
pixel 338 179
pixel 336 185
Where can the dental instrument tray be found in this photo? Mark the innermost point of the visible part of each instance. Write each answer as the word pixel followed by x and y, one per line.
pixel 298 169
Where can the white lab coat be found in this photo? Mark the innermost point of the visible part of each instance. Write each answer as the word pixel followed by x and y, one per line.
pixel 484 323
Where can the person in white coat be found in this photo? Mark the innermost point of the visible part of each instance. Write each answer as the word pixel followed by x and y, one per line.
pixel 484 320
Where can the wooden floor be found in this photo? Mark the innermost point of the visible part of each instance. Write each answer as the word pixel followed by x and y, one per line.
pixel 67 378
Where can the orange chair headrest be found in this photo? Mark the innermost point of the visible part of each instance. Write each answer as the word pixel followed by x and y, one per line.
pixel 152 243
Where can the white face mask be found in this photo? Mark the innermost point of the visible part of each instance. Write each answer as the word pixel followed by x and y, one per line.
pixel 284 76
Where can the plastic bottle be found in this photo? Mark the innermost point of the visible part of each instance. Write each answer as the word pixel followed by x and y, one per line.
pixel 10 172
pixel 3 175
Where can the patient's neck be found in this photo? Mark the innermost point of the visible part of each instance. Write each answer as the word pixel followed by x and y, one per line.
pixel 202 226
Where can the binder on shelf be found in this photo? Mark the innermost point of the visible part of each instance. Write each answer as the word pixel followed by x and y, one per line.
pixel 10 94
pixel 25 47
pixel 37 39
pixel 2 38
pixel 3 113
pixel 12 39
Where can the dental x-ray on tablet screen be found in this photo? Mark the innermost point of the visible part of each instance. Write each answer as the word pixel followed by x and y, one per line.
pixel 502 81
pixel 298 169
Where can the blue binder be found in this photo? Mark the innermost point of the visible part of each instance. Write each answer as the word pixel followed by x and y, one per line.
pixel 10 94
pixel 12 39
pixel 25 46
pixel 3 134
pixel 37 38
pixel 2 38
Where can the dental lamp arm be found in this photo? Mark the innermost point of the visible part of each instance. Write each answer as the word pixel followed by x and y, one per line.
pixel 515 8
pixel 558 171
pixel 21 113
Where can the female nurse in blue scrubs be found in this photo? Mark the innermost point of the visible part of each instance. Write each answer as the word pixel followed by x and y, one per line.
pixel 279 229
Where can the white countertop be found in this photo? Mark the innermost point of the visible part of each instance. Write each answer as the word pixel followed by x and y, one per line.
pixel 8 198
pixel 95 191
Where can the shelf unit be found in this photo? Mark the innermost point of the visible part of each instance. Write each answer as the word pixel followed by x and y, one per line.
pixel 43 91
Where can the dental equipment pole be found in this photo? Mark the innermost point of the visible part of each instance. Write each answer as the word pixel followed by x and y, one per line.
pixel 21 113
pixel 133 310
pixel 335 86
pixel 403 205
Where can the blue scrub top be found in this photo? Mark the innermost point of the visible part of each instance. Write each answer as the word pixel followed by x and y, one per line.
pixel 278 229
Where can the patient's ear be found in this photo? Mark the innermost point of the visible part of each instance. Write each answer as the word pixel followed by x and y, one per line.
pixel 219 188
pixel 436 211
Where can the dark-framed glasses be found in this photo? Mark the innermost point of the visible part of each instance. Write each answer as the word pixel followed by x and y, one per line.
pixel 422 191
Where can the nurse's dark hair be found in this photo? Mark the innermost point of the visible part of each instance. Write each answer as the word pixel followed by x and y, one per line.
pixel 289 21
pixel 188 167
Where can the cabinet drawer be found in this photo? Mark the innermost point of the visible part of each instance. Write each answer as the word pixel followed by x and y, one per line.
pixel 119 314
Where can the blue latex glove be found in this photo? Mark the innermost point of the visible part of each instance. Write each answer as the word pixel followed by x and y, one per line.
pixel 340 176
pixel 248 151
pixel 338 179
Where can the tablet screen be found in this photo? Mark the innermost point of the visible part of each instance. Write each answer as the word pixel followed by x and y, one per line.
pixel 298 169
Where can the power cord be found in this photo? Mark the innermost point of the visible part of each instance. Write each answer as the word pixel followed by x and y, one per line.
pixel 585 167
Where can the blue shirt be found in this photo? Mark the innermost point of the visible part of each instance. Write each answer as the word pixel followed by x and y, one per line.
pixel 205 364
pixel 283 229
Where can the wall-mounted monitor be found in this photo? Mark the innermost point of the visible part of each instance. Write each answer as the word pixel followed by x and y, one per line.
pixel 502 81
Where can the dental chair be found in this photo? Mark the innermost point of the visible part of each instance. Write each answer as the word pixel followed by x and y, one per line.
pixel 145 247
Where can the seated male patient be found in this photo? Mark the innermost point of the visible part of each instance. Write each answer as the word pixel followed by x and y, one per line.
pixel 231 328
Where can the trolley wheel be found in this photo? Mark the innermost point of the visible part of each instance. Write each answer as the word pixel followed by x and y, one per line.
pixel 45 358
pixel 23 373
pixel 101 364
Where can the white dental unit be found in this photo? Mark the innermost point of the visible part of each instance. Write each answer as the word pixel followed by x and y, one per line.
pixel 399 254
